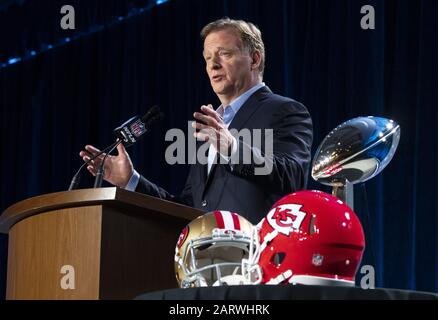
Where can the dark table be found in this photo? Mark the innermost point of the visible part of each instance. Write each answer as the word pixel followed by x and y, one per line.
pixel 286 292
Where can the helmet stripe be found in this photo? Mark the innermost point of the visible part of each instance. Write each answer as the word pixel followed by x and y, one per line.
pixel 236 221
pixel 228 220
pixel 219 219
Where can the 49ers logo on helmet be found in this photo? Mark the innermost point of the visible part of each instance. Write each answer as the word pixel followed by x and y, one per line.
pixel 286 218
pixel 182 237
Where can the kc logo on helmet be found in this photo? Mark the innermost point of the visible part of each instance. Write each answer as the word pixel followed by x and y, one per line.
pixel 286 218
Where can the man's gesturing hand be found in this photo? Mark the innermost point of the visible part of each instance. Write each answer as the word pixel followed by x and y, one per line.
pixel 212 128
pixel 118 169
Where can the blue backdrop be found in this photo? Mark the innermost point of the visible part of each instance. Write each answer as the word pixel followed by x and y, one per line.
pixel 60 90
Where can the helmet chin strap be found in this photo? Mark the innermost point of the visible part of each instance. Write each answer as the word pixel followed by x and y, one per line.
pixel 281 277
pixel 268 238
pixel 232 280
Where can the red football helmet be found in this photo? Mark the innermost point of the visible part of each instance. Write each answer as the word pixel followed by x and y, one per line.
pixel 310 237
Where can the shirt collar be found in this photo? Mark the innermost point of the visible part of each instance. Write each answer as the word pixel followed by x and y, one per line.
pixel 236 104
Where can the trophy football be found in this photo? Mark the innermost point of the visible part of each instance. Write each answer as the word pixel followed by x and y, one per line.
pixel 354 152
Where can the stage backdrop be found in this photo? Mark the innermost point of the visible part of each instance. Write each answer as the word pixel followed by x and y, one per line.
pixel 62 89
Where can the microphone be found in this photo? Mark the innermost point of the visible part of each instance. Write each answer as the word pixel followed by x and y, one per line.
pixel 130 131
pixel 128 134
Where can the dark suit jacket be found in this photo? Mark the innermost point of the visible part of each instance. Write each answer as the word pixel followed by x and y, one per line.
pixel 236 187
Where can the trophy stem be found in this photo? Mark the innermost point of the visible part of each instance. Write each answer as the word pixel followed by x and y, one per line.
pixel 345 192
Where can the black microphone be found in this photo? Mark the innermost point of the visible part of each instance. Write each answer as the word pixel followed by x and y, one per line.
pixel 130 131
pixel 128 134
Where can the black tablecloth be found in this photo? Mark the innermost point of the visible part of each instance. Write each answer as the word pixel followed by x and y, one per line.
pixel 286 292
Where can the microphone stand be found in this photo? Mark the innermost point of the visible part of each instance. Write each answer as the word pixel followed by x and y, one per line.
pixel 77 177
pixel 101 171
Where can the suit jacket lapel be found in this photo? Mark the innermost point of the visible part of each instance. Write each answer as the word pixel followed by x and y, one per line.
pixel 249 107
pixel 243 115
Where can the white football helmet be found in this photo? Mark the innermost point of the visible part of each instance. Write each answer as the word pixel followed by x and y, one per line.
pixel 217 248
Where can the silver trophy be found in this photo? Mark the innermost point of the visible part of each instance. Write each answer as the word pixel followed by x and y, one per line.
pixel 354 152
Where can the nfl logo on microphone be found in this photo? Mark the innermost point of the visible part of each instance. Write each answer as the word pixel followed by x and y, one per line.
pixel 137 128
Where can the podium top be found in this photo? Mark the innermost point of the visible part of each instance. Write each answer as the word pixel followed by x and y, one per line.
pixel 85 197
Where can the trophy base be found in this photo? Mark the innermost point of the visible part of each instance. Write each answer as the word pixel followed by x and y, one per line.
pixel 344 191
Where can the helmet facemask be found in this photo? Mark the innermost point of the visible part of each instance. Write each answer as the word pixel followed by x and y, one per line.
pixel 227 257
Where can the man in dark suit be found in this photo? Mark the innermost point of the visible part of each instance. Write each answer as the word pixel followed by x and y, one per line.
pixel 235 56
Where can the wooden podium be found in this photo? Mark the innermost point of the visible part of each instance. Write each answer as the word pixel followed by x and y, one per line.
pixel 105 243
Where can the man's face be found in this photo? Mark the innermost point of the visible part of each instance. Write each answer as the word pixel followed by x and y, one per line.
pixel 228 64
